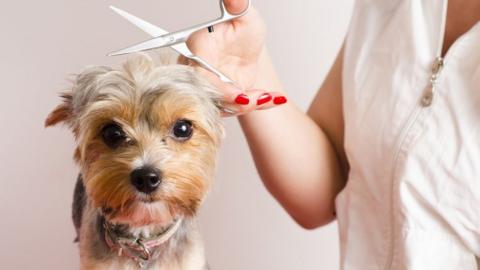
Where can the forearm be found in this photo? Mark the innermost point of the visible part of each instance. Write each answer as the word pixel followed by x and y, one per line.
pixel 294 157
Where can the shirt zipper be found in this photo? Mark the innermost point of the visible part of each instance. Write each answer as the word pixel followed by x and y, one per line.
pixel 425 101
pixel 429 95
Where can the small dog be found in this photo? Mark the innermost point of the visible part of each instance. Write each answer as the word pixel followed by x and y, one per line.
pixel 147 138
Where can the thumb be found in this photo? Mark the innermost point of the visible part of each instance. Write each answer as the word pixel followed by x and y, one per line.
pixel 236 6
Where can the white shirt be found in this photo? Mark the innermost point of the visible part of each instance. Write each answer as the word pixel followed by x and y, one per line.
pixel 412 200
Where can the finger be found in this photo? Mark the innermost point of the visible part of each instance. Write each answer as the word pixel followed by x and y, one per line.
pixel 278 99
pixel 264 100
pixel 234 109
pixel 253 97
pixel 257 99
pixel 235 6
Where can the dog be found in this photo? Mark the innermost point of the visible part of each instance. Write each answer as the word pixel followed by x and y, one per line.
pixel 147 139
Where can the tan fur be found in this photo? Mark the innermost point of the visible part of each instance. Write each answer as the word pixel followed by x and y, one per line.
pixel 145 99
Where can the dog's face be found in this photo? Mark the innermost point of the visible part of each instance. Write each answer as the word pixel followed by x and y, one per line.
pixel 147 139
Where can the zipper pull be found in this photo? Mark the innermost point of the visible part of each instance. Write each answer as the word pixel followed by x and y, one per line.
pixel 437 67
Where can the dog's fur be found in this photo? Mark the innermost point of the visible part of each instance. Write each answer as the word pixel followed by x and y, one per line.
pixel 145 99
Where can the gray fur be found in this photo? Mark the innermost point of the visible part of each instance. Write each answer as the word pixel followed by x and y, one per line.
pixel 98 83
pixel 79 203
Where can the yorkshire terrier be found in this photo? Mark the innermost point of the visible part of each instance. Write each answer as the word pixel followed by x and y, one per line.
pixel 147 138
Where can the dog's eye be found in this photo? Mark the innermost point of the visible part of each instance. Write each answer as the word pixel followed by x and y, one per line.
pixel 113 135
pixel 182 130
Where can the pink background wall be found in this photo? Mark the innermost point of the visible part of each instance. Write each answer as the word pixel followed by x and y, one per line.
pixel 44 41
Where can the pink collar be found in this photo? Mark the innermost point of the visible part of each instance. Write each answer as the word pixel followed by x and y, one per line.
pixel 139 249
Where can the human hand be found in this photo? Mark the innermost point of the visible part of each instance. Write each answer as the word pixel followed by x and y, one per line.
pixel 235 48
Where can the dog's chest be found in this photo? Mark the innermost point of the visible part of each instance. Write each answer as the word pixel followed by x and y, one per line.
pixel 192 263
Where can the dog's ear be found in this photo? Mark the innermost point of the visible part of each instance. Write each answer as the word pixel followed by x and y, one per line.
pixel 82 91
pixel 62 113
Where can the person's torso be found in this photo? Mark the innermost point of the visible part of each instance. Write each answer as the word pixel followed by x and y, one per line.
pixel 412 200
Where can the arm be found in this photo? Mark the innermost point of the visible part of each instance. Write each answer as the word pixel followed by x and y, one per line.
pixel 300 157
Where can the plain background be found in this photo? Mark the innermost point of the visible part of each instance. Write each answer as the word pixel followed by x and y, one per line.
pixel 45 41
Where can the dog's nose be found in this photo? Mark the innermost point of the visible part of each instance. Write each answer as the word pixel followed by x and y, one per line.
pixel 145 179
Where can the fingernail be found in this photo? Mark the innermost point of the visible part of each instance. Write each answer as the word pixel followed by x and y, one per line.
pixel 242 99
pixel 279 100
pixel 264 98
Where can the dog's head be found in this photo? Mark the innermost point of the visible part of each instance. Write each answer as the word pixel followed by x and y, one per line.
pixel 147 139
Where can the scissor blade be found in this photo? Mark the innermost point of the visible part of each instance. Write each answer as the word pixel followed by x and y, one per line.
pixel 147 27
pixel 143 46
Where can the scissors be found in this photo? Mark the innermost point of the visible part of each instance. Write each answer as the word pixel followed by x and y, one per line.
pixel 176 40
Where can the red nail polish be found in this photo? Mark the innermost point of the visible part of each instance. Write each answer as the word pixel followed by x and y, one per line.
pixel 279 100
pixel 242 99
pixel 264 98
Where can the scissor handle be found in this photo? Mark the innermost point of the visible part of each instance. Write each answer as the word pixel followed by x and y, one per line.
pixel 182 35
pixel 227 15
